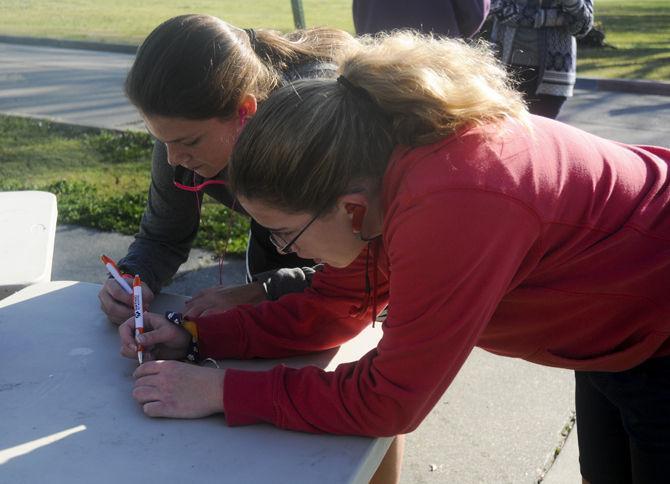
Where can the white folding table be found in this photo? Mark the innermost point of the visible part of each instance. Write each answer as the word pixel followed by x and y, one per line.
pixel 67 414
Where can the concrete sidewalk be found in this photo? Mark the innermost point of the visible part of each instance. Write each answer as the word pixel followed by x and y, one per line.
pixel 501 421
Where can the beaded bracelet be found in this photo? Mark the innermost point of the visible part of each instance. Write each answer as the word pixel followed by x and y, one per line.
pixel 193 354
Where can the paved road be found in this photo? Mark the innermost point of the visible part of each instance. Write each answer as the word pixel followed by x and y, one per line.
pixel 499 422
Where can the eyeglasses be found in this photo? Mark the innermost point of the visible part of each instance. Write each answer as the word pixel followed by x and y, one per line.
pixel 287 247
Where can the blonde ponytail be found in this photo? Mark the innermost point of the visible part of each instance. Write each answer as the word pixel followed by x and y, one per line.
pixel 430 86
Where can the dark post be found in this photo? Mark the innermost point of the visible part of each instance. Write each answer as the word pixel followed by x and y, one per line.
pixel 298 14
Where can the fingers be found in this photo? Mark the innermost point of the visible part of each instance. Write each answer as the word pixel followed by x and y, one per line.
pixel 127 335
pixel 172 389
pixel 198 295
pixel 195 310
pixel 209 311
pixel 156 409
pixel 147 369
pixel 115 302
pixel 162 334
pixel 150 397
pixel 207 291
pixel 145 392
pixel 161 338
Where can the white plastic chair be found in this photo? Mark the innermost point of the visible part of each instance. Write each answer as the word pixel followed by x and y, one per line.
pixel 27 234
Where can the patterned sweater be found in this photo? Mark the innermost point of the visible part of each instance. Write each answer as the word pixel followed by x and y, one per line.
pixel 554 24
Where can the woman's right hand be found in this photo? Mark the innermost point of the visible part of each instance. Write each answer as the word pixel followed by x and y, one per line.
pixel 162 339
pixel 117 304
pixel 221 298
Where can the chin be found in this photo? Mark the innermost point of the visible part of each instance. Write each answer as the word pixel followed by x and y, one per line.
pixel 206 172
pixel 340 264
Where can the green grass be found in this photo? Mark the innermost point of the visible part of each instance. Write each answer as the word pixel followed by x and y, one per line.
pixel 100 178
pixel 639 30
pixel 129 21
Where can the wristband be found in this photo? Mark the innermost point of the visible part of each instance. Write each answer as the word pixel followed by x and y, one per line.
pixel 193 354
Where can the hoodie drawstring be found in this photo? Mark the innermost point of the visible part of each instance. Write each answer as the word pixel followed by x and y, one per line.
pixel 370 290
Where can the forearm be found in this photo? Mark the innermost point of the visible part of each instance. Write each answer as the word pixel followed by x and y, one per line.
pixel 321 317
pixel 430 330
pixel 154 261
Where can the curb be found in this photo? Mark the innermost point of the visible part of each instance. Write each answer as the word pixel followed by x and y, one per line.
pixel 633 86
pixel 69 44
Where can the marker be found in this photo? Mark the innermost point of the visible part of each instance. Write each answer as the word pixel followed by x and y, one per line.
pixel 139 317
pixel 116 274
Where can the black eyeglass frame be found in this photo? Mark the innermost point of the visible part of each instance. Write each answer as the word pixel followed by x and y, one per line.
pixel 284 247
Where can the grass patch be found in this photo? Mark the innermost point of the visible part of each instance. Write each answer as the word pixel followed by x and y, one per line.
pixel 640 33
pixel 100 178
pixel 129 21
pixel 640 30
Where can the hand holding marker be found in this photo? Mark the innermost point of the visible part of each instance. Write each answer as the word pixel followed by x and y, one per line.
pixel 115 273
pixel 139 317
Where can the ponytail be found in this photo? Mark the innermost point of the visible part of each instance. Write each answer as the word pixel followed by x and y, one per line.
pixel 431 86
pixel 285 51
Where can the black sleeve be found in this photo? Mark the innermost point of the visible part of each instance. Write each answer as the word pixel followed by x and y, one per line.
pixel 168 227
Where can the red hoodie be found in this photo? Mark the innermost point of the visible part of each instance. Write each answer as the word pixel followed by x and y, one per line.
pixel 551 245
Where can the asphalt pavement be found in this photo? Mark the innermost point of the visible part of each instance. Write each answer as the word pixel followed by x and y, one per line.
pixel 502 420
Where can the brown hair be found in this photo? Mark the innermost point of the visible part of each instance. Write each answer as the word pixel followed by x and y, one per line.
pixel 198 66
pixel 316 140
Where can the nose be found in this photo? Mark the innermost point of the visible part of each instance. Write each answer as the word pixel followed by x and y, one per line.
pixel 176 156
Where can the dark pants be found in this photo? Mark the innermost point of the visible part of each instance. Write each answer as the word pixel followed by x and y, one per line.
pixel 623 424
pixel 540 104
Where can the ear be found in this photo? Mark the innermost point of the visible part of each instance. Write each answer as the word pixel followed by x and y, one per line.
pixel 247 106
pixel 356 206
pixel 357 213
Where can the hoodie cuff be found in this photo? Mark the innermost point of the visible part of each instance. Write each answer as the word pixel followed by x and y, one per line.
pixel 248 396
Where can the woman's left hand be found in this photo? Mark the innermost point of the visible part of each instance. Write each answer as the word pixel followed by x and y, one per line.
pixel 178 390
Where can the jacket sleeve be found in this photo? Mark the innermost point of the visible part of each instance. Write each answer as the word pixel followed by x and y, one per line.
pixel 470 15
pixel 579 16
pixel 167 229
pixel 321 317
pixel 453 258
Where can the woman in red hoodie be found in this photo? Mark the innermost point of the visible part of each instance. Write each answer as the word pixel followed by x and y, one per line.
pixel 479 224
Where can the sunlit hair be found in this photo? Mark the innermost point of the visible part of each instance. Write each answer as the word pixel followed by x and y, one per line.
pixel 198 66
pixel 316 140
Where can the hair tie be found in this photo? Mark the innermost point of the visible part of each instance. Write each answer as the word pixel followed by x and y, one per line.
pixel 364 95
pixel 358 91
pixel 251 33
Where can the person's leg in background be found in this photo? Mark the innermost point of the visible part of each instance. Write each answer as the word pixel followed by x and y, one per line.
pixel 604 454
pixel 540 104
pixel 388 471
pixel 635 402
